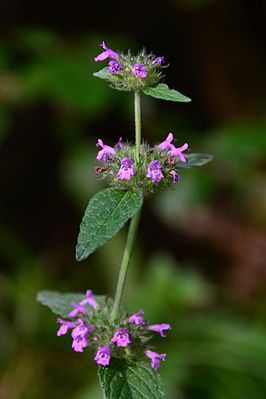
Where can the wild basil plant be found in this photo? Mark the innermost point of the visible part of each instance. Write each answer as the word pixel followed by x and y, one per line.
pixel 120 342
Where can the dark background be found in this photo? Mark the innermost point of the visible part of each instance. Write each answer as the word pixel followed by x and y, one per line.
pixel 199 260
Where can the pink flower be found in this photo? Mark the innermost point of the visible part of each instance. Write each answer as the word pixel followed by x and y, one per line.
pixel 160 328
pixel 155 358
pixel 136 318
pixel 79 335
pixel 154 171
pixel 108 53
pixel 166 144
pixel 105 152
pixel 178 152
pixel 126 170
pixel 77 309
pixel 121 337
pixel 89 300
pixel 139 70
pixel 65 325
pixel 102 356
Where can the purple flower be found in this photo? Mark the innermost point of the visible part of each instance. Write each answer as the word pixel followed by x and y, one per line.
pixel 160 328
pixel 176 176
pixel 166 144
pixel 154 171
pixel 108 53
pixel 178 152
pixel 114 67
pixel 126 170
pixel 89 300
pixel 65 325
pixel 105 152
pixel 79 335
pixel 139 70
pixel 136 318
pixel 102 356
pixel 121 337
pixel 120 143
pixel 158 60
pixel 77 309
pixel 155 358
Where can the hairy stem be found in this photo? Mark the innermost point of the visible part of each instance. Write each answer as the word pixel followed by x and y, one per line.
pixel 124 266
pixel 137 122
pixel 120 288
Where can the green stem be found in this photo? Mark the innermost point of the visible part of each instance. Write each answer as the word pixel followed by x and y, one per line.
pixel 124 266
pixel 137 122
pixel 120 288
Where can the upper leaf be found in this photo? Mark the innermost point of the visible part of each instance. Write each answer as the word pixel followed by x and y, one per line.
pixel 102 74
pixel 135 381
pixel 59 303
pixel 194 160
pixel 106 214
pixel 163 92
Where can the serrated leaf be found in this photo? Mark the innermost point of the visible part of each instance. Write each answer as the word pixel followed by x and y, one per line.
pixel 106 214
pixel 194 160
pixel 102 74
pixel 135 381
pixel 60 303
pixel 163 92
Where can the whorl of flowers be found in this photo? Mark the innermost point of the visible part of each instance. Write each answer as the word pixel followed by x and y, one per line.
pixel 127 338
pixel 131 72
pixel 154 169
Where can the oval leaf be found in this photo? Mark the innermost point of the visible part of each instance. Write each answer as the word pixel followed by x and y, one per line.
pixel 60 303
pixel 163 92
pixel 134 381
pixel 106 214
pixel 194 160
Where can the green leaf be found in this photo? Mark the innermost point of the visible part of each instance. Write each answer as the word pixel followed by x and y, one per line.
pixel 106 214
pixel 102 74
pixel 135 381
pixel 163 92
pixel 194 160
pixel 60 304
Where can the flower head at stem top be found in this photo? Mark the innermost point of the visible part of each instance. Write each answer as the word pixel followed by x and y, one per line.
pixel 126 170
pixel 139 70
pixel 89 300
pixel 65 326
pixel 159 328
pixel 108 53
pixel 106 152
pixel 102 356
pixel 121 337
pixel 136 318
pixel 155 358
pixel 78 309
pixel 154 171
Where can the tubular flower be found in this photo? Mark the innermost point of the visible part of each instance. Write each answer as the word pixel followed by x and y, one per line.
pixel 155 358
pixel 114 67
pixel 154 171
pixel 102 356
pixel 178 152
pixel 106 152
pixel 65 326
pixel 158 60
pixel 139 70
pixel 176 176
pixel 78 309
pixel 126 170
pixel 79 335
pixel 136 318
pixel 121 337
pixel 166 144
pixel 108 53
pixel 159 328
pixel 89 300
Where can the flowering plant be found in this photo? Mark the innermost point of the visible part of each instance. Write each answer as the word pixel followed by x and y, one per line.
pixel 127 361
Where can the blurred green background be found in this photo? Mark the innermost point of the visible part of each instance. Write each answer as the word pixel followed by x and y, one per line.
pixel 200 257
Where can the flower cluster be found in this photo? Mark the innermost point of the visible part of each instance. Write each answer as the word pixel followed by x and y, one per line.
pixel 131 72
pixel 126 338
pixel 154 168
